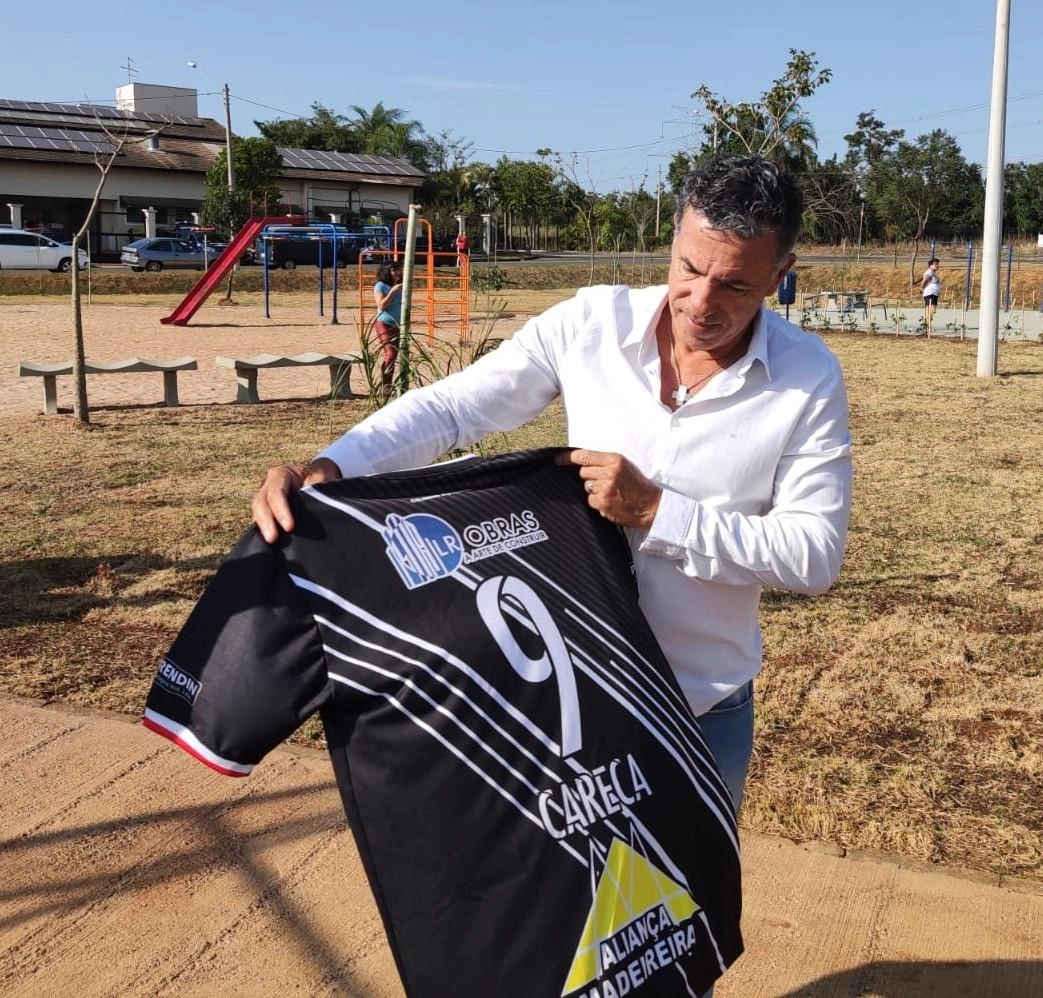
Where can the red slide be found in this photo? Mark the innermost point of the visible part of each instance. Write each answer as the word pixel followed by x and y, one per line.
pixel 218 270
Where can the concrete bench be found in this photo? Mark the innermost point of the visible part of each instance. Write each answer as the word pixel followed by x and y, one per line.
pixel 133 365
pixel 246 369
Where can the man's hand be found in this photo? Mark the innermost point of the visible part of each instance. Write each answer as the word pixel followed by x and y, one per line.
pixel 615 488
pixel 271 506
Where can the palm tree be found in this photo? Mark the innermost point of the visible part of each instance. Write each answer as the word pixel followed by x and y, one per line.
pixel 385 131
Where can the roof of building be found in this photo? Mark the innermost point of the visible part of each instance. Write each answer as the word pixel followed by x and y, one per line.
pixel 75 133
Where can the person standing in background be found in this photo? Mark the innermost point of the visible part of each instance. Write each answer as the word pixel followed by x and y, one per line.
pixel 463 244
pixel 930 288
pixel 387 293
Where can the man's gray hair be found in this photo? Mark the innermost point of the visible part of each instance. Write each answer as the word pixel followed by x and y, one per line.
pixel 746 195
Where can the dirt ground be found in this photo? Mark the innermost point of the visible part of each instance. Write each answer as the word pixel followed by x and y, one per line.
pixel 125 868
pixel 128 869
pixel 119 328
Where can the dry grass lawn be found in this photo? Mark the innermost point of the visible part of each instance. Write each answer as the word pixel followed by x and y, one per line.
pixel 903 711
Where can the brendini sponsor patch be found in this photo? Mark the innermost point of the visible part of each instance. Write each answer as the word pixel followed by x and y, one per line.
pixel 171 679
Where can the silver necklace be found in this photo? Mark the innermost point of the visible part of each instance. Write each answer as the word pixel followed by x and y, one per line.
pixel 683 391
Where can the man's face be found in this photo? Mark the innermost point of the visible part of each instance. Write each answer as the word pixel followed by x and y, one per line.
pixel 717 282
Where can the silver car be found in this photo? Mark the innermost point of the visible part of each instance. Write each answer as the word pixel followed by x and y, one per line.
pixel 163 252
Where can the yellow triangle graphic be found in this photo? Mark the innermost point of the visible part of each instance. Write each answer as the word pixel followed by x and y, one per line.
pixel 628 887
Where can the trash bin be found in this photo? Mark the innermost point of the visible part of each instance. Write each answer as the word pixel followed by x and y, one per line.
pixel 788 290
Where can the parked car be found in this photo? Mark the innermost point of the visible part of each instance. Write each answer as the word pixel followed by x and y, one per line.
pixel 24 250
pixel 287 249
pixel 445 252
pixel 163 252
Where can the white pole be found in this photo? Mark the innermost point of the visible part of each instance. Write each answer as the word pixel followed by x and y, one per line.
pixel 228 139
pixel 861 215
pixel 992 236
pixel 658 195
pixel 404 332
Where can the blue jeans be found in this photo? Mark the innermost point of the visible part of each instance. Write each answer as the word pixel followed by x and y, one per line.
pixel 728 730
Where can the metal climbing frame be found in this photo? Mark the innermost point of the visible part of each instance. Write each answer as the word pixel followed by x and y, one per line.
pixel 441 290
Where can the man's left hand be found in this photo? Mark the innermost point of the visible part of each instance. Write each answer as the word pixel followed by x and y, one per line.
pixel 615 488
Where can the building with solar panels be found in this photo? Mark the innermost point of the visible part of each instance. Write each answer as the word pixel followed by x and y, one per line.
pixel 48 173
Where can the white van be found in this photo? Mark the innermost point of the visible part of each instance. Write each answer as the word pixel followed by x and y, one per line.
pixel 22 250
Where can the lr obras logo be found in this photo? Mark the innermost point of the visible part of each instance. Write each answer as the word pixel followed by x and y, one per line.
pixel 424 548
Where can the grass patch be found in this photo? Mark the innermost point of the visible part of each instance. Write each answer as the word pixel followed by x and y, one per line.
pixel 901 711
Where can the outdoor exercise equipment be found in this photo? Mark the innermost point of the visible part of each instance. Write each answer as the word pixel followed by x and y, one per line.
pixel 219 269
pixel 437 292
pixel 322 233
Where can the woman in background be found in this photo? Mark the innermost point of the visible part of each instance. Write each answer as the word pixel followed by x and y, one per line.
pixel 387 293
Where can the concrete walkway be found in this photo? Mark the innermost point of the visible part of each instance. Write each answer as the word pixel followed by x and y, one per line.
pixel 906 319
pixel 127 869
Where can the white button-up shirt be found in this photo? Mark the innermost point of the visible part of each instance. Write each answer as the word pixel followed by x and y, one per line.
pixel 755 468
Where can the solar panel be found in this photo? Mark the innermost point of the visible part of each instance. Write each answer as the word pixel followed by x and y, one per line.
pixel 91 111
pixel 322 159
pixel 64 139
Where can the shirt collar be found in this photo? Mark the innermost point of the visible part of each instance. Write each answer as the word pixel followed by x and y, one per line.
pixel 758 349
pixel 646 312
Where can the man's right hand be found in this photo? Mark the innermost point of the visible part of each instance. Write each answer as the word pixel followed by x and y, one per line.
pixel 271 506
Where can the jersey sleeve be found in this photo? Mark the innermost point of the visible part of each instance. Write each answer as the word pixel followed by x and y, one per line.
pixel 246 669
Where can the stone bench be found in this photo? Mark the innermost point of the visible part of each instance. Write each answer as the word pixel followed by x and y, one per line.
pixel 246 369
pixel 50 372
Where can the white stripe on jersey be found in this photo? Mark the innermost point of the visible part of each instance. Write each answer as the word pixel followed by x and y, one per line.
pixel 572 764
pixel 453 688
pixel 448 657
pixel 408 683
pixel 188 740
pixel 460 755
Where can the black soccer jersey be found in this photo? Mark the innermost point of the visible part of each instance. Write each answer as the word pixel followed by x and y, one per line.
pixel 535 808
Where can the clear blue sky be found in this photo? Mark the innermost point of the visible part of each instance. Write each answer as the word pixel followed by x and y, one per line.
pixel 610 81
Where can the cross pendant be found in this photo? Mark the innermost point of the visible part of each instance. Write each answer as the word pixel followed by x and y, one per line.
pixel 680 394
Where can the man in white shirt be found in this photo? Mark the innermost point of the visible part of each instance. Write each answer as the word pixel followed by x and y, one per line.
pixel 711 429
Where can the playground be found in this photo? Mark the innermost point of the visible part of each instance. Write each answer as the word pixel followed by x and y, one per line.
pixel 439 297
pixel 898 716
pixel 39 330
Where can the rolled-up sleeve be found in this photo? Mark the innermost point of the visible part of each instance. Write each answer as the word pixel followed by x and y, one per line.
pixel 797 543
pixel 502 390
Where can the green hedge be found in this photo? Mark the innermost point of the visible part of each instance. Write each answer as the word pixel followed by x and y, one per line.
pixel 126 281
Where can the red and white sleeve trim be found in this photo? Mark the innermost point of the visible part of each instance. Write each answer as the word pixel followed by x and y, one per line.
pixel 187 740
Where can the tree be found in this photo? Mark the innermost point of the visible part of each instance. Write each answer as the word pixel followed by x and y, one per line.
pixel 385 131
pixel 870 141
pixel 325 129
pixel 256 165
pixel 926 187
pixel 775 126
pixel 527 191
pixel 104 160
pixel 450 187
pixel 1025 194
pixel 832 206
pixel 584 202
